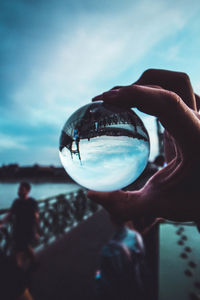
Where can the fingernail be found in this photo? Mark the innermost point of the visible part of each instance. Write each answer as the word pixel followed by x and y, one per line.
pixel 97 98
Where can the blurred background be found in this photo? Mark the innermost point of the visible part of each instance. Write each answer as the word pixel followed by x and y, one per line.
pixel 55 56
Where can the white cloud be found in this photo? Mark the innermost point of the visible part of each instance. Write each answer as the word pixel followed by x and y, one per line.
pixel 46 155
pixel 12 142
pixel 119 162
pixel 99 48
pixel 88 58
pixel 173 53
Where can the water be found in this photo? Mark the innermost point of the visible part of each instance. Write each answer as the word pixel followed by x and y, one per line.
pixel 8 191
pixel 102 148
pixel 173 281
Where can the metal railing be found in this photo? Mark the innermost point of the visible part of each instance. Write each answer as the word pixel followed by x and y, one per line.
pixel 58 215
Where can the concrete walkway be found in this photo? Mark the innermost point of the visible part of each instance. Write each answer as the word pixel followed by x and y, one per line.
pixel 66 268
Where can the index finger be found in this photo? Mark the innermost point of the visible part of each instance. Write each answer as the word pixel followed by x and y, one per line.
pixel 173 113
pixel 177 82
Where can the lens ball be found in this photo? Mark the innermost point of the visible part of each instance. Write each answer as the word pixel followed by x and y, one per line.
pixel 104 148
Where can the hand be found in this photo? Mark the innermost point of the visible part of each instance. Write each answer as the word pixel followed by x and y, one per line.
pixel 173 192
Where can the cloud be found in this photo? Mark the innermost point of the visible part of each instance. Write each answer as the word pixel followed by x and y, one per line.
pixel 12 142
pixel 56 56
pixel 107 163
pixel 108 147
pixel 44 155
pixel 87 56
pixel 173 53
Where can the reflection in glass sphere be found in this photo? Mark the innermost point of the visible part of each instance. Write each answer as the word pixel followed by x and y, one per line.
pixel 104 148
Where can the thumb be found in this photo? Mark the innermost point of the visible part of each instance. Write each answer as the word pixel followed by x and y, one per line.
pixel 103 198
pixel 121 205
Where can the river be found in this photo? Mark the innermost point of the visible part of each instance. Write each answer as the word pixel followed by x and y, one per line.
pixel 8 191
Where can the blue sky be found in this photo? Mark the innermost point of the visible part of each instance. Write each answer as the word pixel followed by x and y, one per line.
pixel 102 158
pixel 56 55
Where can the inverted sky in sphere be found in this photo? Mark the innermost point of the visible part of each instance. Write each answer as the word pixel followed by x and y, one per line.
pixel 107 162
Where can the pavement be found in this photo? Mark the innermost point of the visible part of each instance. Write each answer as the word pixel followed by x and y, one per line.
pixel 66 268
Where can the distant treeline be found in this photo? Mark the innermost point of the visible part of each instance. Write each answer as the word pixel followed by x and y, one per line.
pixel 36 173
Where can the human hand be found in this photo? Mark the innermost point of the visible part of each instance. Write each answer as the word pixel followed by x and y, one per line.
pixel 172 192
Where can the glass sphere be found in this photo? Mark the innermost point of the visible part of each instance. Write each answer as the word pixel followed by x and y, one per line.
pixel 104 148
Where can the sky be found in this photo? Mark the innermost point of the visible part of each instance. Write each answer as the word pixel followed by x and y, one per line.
pixel 56 55
pixel 102 158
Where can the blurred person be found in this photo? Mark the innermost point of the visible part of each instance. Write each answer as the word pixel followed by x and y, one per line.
pixel 24 214
pixel 13 280
pixel 125 271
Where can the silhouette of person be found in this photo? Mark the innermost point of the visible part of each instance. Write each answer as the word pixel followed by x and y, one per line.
pixel 13 280
pixel 122 268
pixel 172 192
pixel 24 214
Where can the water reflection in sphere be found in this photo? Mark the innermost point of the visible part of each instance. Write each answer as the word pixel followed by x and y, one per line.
pixel 104 148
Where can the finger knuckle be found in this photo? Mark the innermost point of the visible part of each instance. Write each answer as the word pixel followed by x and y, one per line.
pixel 148 72
pixel 173 99
pixel 115 87
pixel 184 76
